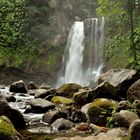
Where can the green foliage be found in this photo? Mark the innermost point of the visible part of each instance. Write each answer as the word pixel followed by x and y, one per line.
pixel 16 45
pixel 120 50
pixel 12 22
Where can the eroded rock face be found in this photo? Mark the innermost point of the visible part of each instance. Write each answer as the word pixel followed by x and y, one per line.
pixel 133 92
pixel 40 105
pixel 134 130
pixel 18 87
pixel 124 118
pixel 121 79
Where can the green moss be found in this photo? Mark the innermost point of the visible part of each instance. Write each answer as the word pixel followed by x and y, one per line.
pixel 104 103
pixel 6 127
pixel 62 100
pixel 67 90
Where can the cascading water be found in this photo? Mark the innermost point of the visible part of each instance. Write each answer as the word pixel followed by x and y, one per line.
pixel 95 51
pixel 73 70
pixel 73 56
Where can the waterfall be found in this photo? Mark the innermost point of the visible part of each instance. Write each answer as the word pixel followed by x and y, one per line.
pixel 73 70
pixel 95 51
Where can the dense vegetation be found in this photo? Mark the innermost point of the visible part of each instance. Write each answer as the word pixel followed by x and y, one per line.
pixel 123 32
pixel 16 46
pixel 31 31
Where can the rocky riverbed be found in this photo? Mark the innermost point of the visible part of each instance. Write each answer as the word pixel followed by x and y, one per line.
pixel 110 110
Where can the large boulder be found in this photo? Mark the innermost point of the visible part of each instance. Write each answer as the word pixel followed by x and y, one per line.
pixel 124 118
pixel 40 105
pixel 67 90
pixel 134 130
pixel 18 87
pixel 121 79
pixel 133 92
pixel 14 115
pixel 99 110
pixel 7 130
pixel 83 96
pixel 105 90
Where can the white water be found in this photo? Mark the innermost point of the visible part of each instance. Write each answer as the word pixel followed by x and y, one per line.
pixel 73 70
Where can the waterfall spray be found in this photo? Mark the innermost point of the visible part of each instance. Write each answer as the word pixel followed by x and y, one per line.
pixel 73 70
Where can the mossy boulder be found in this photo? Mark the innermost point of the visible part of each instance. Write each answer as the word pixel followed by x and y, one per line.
pixel 62 100
pixel 7 130
pixel 14 115
pixel 67 90
pixel 99 110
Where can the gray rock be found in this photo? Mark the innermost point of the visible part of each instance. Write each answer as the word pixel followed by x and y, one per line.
pixel 51 116
pixel 121 79
pixel 134 130
pixel 32 86
pixel 42 93
pixel 124 118
pixel 62 124
pixel 18 87
pixel 123 105
pixel 133 92
pixel 105 90
pixel 41 105
pixel 14 115
pixel 83 96
pixel 45 86
pixel 76 115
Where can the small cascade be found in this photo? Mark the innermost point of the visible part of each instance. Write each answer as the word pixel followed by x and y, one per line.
pixel 73 70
